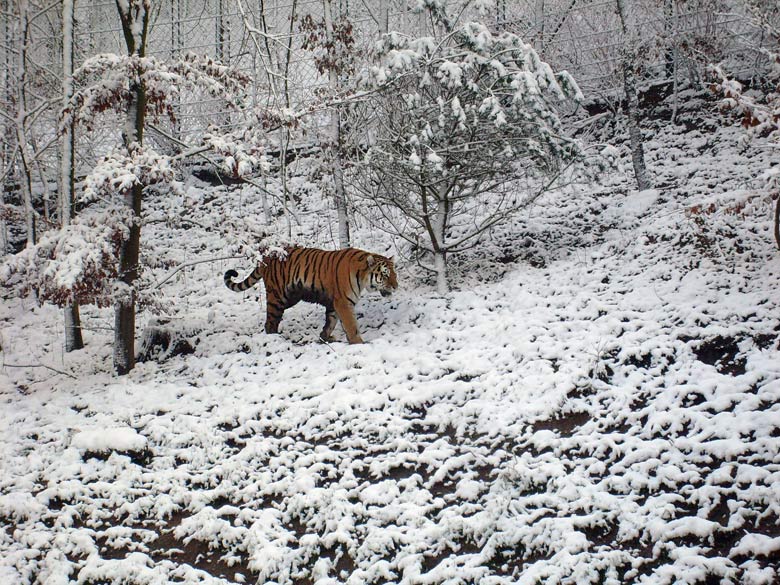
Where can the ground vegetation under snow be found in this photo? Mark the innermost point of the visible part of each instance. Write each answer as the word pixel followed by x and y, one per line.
pixel 596 401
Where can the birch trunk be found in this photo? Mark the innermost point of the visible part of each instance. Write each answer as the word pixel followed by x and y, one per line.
pixel 73 336
pixel 177 50
pixel 266 206
pixel 339 193
pixel 3 228
pixel 632 102
pixel 20 119
pixel 25 179
pixel 334 138
pixel 287 201
pixel 220 31
pixel 440 265
pixel 439 226
pixel 634 131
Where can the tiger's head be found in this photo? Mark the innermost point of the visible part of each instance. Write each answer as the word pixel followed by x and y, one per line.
pixel 381 275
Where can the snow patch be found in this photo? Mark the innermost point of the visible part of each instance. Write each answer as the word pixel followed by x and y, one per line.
pixel 103 440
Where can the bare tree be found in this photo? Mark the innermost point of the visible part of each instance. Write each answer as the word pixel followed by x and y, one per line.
pixel 333 44
pixel 760 115
pixel 631 94
pixel 21 117
pixel 7 148
pixel 31 86
pixel 334 134
pixel 275 53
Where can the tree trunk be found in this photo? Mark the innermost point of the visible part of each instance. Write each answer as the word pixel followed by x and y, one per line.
pixel 222 33
pixel 440 265
pixel 632 103
pixel 129 252
pixel 26 185
pixel 3 228
pixel 287 201
pixel 124 308
pixel 177 50
pixel 669 33
pixel 334 138
pixel 6 154
pixel 73 336
pixel 339 193
pixel 124 336
pixel 439 228
pixel 20 120
pixel 634 131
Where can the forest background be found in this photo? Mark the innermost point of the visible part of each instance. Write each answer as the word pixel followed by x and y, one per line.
pixel 577 380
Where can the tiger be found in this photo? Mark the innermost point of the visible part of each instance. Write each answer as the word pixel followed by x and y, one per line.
pixel 332 278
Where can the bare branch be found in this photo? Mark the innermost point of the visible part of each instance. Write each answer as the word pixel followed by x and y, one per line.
pixel 194 263
pixel 39 365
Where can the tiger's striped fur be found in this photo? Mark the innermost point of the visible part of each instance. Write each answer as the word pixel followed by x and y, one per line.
pixel 334 279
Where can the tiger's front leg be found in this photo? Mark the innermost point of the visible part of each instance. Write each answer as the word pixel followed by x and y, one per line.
pixel 330 324
pixel 346 314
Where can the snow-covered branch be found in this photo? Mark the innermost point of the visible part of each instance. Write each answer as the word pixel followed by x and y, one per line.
pixel 104 84
pixel 75 264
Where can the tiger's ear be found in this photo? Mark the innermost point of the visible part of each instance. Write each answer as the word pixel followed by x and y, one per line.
pixel 370 261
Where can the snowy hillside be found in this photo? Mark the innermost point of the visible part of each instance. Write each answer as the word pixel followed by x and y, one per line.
pixel 597 401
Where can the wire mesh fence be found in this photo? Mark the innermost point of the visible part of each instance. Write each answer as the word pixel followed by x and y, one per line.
pixel 673 38
pixel 265 40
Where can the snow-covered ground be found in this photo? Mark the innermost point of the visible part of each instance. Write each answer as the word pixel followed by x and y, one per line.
pixel 597 401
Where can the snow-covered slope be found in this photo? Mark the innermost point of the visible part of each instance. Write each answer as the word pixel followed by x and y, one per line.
pixel 596 402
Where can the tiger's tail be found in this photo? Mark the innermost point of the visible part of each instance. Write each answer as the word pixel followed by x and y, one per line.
pixel 248 282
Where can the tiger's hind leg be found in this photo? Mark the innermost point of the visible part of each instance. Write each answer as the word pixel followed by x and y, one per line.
pixel 331 318
pixel 272 321
pixel 274 311
pixel 347 317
